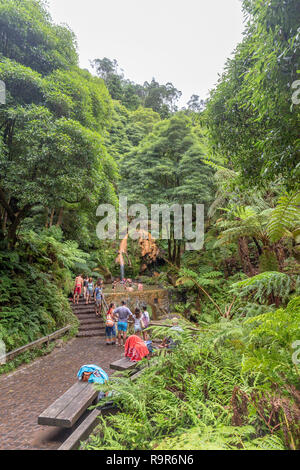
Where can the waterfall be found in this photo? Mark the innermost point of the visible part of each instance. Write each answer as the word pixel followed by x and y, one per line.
pixel 122 271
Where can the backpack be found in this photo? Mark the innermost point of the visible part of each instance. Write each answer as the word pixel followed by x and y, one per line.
pixel 109 321
pixel 86 376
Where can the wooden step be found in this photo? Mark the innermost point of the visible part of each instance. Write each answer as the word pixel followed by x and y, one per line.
pixel 93 326
pixel 87 316
pixel 90 333
pixel 85 312
pixel 94 320
pixel 81 301
pixel 83 307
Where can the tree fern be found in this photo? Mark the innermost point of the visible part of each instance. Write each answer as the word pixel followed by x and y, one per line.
pixel 263 285
pixel 244 221
pixel 285 216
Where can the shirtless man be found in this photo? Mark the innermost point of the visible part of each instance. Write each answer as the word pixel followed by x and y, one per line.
pixel 77 288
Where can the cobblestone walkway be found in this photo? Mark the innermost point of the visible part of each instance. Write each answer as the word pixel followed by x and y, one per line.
pixel 29 390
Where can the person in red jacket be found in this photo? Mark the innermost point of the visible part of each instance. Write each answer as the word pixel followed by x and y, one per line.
pixel 135 348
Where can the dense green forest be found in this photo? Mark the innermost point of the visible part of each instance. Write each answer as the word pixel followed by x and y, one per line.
pixel 71 140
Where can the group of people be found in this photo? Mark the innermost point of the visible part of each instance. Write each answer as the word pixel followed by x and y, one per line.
pixel 137 345
pixel 127 285
pixel 121 316
pixel 91 291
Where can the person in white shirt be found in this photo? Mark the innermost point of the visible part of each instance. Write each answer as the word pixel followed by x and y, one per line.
pixel 146 322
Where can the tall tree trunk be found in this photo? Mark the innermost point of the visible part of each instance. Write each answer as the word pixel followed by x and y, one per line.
pixel 14 217
pixel 51 217
pixel 280 255
pixel 257 246
pixel 13 227
pixel 245 257
pixel 174 251
pixel 4 221
pixel 178 254
pixel 169 250
pixel 60 217
pixel 47 221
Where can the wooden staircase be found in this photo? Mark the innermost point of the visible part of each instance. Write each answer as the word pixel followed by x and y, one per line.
pixel 90 325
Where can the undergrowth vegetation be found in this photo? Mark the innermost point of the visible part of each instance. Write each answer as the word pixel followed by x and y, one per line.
pixel 35 280
pixel 231 385
pixel 71 141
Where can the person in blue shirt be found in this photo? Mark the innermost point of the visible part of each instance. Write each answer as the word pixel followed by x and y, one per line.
pixel 98 299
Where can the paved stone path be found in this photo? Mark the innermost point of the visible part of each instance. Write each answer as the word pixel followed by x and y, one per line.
pixel 29 390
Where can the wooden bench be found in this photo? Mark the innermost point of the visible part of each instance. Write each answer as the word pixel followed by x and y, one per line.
pixel 68 408
pixel 86 427
pixel 123 364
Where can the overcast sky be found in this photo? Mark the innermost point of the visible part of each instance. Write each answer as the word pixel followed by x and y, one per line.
pixel 183 42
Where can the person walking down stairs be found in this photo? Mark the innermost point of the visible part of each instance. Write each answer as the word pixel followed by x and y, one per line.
pixel 98 299
pixel 77 288
pixel 85 284
pixel 90 291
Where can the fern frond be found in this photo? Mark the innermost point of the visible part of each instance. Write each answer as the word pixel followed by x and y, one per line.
pixel 285 217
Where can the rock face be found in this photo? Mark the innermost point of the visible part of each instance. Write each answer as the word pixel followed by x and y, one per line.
pixel 148 247
pixel 158 299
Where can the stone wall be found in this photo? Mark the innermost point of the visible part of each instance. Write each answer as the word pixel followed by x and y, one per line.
pixel 158 299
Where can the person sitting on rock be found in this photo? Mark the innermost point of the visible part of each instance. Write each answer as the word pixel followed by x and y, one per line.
pixel 169 342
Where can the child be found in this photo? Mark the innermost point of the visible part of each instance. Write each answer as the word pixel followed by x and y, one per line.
pixel 138 322
pixel 146 321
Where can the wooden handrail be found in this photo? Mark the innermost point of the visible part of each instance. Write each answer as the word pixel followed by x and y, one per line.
pixel 46 339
